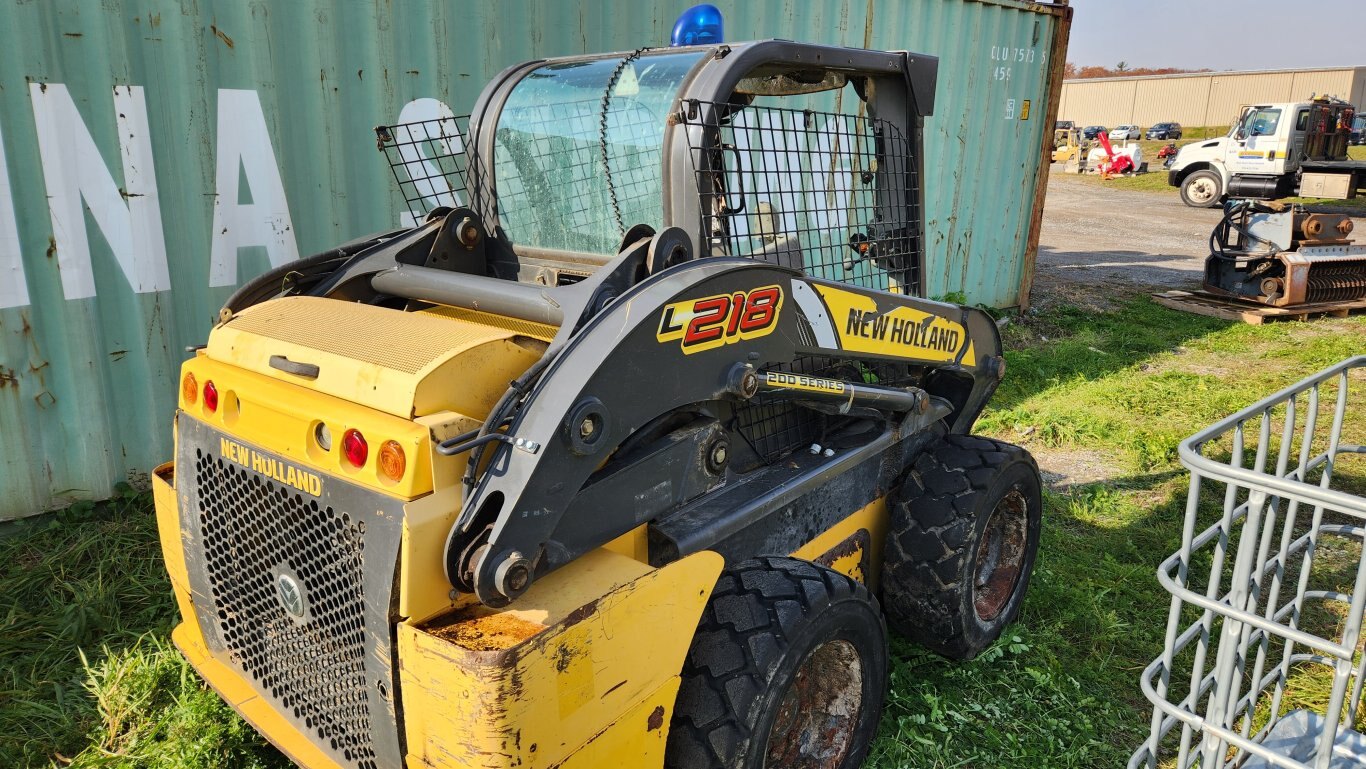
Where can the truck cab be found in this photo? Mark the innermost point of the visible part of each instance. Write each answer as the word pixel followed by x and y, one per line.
pixel 1265 152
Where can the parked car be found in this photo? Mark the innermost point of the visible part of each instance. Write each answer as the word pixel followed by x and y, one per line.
pixel 1359 130
pixel 1064 125
pixel 1164 131
pixel 1122 132
pixel 1092 131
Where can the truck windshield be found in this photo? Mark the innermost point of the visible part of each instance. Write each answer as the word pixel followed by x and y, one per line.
pixel 577 152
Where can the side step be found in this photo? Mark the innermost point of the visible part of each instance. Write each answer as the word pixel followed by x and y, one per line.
pixel 1205 303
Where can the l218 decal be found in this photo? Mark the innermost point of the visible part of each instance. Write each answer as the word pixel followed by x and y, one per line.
pixel 713 321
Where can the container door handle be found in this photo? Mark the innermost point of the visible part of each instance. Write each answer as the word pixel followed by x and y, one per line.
pixel 305 370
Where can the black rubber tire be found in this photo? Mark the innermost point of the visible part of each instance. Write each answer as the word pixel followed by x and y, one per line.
pixel 939 516
pixel 765 619
pixel 1213 201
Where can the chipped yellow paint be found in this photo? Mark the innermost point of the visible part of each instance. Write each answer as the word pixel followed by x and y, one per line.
pixel 572 694
pixel 872 519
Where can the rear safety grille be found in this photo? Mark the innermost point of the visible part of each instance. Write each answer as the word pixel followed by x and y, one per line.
pixel 287 575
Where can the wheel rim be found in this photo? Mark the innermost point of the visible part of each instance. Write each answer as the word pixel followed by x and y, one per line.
pixel 1000 556
pixel 1201 190
pixel 816 721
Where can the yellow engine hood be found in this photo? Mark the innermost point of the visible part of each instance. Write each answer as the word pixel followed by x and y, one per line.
pixel 402 363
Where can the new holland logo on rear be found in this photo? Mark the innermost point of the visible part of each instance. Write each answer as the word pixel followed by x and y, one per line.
pixel 289 475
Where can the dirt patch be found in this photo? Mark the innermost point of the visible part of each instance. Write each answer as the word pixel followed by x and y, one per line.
pixel 1064 468
pixel 481 631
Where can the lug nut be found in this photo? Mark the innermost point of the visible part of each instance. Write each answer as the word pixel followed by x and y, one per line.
pixel 587 428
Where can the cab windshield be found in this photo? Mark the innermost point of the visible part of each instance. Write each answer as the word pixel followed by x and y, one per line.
pixel 578 150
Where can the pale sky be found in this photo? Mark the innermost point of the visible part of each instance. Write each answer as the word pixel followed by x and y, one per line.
pixel 1219 34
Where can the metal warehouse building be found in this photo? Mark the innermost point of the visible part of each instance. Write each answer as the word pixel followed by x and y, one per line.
pixel 1201 98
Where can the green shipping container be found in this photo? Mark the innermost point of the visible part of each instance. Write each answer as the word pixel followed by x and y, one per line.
pixel 154 155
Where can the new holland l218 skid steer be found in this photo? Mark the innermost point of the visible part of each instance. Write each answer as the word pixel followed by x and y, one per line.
pixel 625 454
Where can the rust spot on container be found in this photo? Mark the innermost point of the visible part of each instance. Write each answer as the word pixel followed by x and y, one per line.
pixel 656 719
pixel 51 242
pixel 479 630
pixel 221 35
pixel 73 34
pixel 8 378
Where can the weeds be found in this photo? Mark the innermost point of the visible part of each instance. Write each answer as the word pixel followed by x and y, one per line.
pixel 88 675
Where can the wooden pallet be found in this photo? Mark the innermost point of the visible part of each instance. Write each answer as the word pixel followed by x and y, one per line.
pixel 1205 303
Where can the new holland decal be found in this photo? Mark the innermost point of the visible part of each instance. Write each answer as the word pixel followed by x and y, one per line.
pixel 713 321
pixel 901 332
pixel 295 477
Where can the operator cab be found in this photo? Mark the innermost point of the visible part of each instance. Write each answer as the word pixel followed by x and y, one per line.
pixel 795 154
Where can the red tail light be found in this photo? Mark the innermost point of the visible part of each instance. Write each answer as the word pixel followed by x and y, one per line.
pixel 210 396
pixel 355 448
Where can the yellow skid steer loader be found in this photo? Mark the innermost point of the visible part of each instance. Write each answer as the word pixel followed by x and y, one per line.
pixel 625 454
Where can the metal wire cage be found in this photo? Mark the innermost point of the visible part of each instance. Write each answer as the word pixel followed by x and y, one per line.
pixel 1262 664
pixel 429 162
pixel 834 195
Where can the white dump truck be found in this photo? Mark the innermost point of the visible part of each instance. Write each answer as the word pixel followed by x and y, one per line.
pixel 1273 151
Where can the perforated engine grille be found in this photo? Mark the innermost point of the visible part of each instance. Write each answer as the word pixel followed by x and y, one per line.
pixel 258 534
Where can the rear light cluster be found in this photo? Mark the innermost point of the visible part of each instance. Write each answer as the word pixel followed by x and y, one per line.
pixel 190 391
pixel 392 460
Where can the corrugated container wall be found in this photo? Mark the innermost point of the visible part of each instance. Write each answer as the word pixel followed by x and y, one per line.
pixel 153 155
pixel 1203 98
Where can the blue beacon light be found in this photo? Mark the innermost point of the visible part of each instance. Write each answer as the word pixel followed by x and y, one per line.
pixel 699 25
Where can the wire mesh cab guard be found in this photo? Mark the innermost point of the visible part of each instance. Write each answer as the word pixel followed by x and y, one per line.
pixel 1267 600
pixel 834 195
pixel 429 162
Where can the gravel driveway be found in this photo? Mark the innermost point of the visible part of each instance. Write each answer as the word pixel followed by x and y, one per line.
pixel 1097 242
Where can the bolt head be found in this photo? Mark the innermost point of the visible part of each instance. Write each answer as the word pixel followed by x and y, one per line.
pixel 587 427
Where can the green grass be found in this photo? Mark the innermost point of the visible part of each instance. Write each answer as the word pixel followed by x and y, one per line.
pixel 87 671
pixel 89 675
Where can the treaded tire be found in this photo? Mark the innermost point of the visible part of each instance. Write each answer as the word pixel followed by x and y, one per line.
pixel 774 626
pixel 954 573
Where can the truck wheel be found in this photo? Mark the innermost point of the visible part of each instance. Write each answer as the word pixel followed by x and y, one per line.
pixel 961 541
pixel 1202 189
pixel 788 669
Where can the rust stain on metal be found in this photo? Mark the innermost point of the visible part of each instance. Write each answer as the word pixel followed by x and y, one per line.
pixel 51 239
pixel 221 35
pixel 477 630
pixel 564 657
pixel 580 614
pixel 656 719
pixel 8 378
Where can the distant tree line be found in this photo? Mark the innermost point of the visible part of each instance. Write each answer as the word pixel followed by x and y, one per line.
pixel 1073 72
